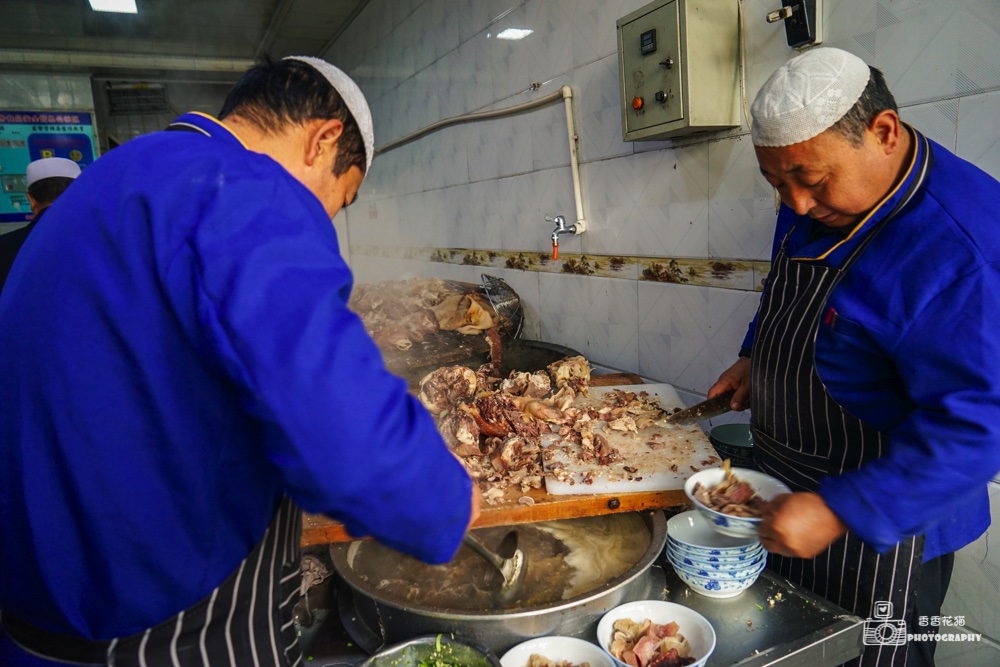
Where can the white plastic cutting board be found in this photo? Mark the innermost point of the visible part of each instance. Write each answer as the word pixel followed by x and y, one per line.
pixel 686 447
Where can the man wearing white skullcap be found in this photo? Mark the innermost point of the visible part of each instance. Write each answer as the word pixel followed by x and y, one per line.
pixel 181 373
pixel 46 178
pixel 870 368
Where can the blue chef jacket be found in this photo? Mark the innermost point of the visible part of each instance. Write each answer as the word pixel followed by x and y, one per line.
pixel 176 353
pixel 910 343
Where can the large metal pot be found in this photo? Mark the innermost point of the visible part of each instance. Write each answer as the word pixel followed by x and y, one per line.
pixel 368 612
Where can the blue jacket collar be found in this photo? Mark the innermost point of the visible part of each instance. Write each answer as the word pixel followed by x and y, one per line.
pixel 196 121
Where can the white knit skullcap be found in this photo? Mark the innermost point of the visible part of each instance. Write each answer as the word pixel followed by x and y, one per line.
pixel 806 96
pixel 353 98
pixel 51 167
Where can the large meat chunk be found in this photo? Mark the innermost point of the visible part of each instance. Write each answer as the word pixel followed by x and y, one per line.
pixel 461 433
pixel 447 387
pixel 571 372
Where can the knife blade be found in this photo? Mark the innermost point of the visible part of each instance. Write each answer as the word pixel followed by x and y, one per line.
pixel 713 407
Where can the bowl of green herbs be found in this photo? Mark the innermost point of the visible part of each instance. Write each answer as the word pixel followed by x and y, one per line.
pixel 441 650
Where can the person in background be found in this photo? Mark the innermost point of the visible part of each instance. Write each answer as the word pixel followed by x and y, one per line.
pixel 870 368
pixel 47 178
pixel 180 373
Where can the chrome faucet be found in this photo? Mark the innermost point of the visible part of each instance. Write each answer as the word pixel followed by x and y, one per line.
pixel 561 228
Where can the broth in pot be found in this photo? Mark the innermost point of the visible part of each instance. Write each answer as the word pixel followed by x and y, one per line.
pixel 564 559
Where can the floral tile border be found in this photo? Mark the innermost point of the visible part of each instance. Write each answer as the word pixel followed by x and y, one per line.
pixel 728 274
pixel 760 271
pixel 746 275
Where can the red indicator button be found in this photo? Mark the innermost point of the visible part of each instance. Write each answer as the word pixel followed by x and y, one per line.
pixel 636 103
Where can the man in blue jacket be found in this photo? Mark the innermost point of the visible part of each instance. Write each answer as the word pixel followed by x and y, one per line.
pixel 870 368
pixel 180 373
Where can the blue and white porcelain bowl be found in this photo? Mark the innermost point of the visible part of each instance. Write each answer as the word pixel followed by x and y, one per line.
pixel 714 587
pixel 692 531
pixel 703 554
pixel 742 566
pixel 722 574
pixel 765 486
pixel 709 562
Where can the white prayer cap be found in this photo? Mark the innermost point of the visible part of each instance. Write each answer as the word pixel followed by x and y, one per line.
pixel 51 167
pixel 353 98
pixel 806 96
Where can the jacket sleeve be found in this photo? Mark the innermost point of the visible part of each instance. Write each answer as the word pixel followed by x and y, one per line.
pixel 344 434
pixel 941 455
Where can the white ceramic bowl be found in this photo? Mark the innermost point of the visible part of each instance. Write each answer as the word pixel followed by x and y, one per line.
pixel 696 629
pixel 557 649
pixel 716 588
pixel 705 555
pixel 690 529
pixel 722 575
pixel 767 488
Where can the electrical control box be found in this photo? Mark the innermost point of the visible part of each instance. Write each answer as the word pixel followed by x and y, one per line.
pixel 679 66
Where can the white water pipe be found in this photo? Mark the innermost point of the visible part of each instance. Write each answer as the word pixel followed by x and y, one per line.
pixel 565 93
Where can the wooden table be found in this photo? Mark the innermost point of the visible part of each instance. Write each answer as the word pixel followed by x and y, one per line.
pixel 318 529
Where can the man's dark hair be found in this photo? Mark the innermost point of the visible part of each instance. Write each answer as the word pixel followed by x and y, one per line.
pixel 275 93
pixel 875 99
pixel 48 190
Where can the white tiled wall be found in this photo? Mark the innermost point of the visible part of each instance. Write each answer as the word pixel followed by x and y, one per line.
pixel 488 185
pixel 973 595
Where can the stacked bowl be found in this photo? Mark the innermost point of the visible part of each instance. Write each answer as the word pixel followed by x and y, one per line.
pixel 712 564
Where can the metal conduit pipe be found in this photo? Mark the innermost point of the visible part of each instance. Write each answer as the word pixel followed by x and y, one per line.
pixel 565 93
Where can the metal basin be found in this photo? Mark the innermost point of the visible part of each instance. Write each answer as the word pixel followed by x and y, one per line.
pixel 372 618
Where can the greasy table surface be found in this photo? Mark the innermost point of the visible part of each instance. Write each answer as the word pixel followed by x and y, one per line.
pixel 773 624
pixel 318 529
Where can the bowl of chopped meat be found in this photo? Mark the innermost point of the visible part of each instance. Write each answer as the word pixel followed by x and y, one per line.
pixel 653 633
pixel 732 499
pixel 556 652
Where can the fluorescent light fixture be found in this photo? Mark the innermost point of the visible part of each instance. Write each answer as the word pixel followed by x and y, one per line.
pixel 514 33
pixel 117 6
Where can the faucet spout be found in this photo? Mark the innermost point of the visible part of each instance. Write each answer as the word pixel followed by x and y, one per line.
pixel 560 229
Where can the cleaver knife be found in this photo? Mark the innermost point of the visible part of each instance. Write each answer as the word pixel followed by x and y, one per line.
pixel 713 407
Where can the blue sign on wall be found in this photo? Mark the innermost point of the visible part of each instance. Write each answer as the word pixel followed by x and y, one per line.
pixel 26 136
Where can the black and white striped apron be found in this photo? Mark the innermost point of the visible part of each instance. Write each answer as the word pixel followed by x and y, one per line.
pixel 801 434
pixel 246 621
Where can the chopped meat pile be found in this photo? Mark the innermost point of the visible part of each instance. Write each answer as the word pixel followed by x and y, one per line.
pixel 732 496
pixel 649 644
pixel 495 425
pixel 398 313
pixel 536 660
